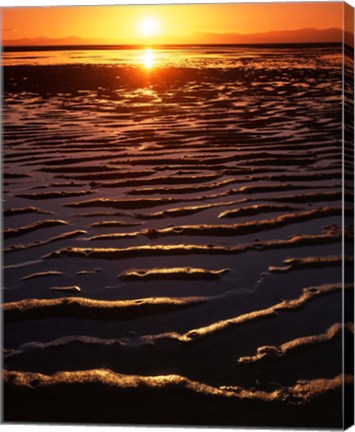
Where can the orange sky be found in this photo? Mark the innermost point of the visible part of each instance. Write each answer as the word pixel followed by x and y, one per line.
pixel 123 24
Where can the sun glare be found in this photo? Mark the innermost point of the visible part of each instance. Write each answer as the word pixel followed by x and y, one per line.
pixel 149 27
pixel 148 58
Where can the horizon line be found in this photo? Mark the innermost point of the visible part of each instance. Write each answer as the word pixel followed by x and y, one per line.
pixel 13 48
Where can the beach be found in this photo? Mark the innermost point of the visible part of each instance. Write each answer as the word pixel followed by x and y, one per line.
pixel 173 236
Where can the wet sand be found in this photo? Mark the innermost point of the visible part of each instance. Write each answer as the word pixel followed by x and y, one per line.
pixel 173 240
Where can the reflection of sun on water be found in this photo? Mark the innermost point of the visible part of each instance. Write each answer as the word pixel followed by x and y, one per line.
pixel 148 58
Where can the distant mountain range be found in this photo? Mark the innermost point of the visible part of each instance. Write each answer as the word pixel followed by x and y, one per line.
pixel 43 41
pixel 307 35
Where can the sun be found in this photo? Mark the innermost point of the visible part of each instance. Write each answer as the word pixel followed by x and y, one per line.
pixel 149 26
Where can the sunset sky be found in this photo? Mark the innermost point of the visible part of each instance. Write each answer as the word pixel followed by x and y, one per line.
pixel 166 23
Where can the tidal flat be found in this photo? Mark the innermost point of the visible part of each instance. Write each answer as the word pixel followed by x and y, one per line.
pixel 173 236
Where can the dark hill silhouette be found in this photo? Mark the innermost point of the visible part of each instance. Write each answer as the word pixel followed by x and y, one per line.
pixel 306 35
